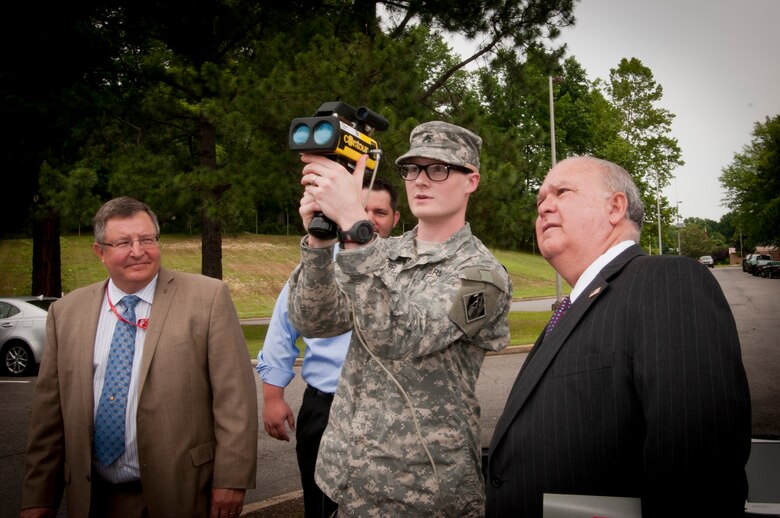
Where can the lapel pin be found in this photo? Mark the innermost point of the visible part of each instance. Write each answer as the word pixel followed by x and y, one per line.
pixel 594 292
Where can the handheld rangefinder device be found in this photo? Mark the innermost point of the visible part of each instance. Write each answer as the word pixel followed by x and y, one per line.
pixel 343 134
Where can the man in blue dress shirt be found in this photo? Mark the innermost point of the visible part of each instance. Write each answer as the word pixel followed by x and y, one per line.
pixel 322 363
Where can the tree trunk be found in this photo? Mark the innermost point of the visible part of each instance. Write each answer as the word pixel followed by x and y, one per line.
pixel 211 237
pixel 46 267
pixel 365 15
pixel 211 248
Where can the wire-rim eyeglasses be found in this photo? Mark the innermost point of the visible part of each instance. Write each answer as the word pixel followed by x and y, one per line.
pixel 145 242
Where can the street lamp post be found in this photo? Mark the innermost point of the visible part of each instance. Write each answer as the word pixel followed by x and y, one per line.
pixel 553 162
pixel 658 210
pixel 741 255
pixel 679 226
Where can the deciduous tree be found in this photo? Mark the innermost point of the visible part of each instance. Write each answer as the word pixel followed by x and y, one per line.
pixel 752 184
pixel 652 153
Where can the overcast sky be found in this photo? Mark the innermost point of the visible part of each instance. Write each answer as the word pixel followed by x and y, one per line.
pixel 718 64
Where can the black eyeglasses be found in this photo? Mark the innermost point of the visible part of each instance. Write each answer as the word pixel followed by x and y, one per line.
pixel 436 172
pixel 126 244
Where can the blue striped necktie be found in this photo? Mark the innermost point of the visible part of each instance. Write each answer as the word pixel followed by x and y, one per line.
pixel 110 418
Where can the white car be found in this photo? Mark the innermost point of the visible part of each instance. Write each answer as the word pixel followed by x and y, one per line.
pixel 22 333
pixel 707 260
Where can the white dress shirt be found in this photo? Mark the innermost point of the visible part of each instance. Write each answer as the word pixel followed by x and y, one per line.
pixel 125 468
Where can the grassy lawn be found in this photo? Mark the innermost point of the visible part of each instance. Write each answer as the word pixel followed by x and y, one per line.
pixel 523 330
pixel 255 267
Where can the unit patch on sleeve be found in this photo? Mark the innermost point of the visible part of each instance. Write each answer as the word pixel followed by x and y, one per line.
pixel 476 302
pixel 474 305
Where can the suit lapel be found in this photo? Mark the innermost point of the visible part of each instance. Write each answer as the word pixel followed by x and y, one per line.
pixel 539 359
pixel 163 299
pixel 545 351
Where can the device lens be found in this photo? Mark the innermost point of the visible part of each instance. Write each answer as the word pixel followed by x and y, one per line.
pixel 301 134
pixel 323 133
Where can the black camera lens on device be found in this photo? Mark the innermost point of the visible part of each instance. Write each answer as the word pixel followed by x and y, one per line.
pixel 372 119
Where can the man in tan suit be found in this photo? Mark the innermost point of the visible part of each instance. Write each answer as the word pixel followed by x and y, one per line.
pixel 189 442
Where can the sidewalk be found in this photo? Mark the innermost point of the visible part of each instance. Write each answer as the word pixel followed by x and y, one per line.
pixel 529 304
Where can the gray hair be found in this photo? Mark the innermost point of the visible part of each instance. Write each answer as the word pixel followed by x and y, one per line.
pixel 122 207
pixel 617 179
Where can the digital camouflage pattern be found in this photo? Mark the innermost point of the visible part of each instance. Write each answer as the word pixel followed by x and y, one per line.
pixel 443 141
pixel 428 319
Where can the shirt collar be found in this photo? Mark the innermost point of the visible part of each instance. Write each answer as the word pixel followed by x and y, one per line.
pixel 408 245
pixel 146 293
pixel 596 266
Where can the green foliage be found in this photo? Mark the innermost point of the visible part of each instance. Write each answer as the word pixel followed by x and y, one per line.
pixel 516 149
pixel 69 193
pixel 191 108
pixel 650 154
pixel 752 184
pixel 728 227
pixel 694 240
pixel 54 88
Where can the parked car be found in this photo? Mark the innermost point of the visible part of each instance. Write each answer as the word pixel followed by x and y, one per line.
pixel 745 262
pixel 771 270
pixel 749 264
pixel 760 266
pixel 707 260
pixel 22 333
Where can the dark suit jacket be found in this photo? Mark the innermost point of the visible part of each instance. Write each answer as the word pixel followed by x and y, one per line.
pixel 639 391
pixel 197 408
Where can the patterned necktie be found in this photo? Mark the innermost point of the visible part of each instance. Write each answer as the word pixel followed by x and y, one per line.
pixel 110 418
pixel 557 314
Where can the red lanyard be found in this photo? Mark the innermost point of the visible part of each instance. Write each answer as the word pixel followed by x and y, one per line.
pixel 143 323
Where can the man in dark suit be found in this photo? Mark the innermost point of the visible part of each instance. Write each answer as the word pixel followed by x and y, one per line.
pixel 639 390
pixel 186 439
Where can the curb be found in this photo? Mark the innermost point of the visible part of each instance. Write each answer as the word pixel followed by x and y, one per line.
pixel 286 505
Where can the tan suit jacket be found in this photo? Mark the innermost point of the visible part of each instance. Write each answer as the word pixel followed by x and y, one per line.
pixel 197 406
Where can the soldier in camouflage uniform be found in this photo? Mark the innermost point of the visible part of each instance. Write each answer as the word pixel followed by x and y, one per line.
pixel 403 437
